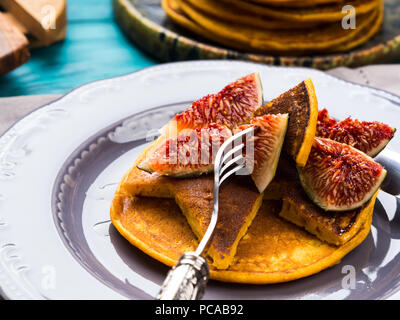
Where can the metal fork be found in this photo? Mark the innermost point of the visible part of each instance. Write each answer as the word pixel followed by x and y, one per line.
pixel 188 278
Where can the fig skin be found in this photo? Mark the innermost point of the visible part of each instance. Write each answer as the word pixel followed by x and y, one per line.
pixel 301 104
pixel 269 135
pixel 368 137
pixel 338 177
pixel 189 154
pixel 234 105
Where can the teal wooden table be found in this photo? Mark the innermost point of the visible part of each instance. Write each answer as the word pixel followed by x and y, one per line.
pixel 95 48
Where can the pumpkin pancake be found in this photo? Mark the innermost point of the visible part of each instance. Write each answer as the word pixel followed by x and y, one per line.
pixel 232 14
pixel 174 12
pixel 323 38
pixel 295 3
pixel 273 250
pixel 239 203
pixel 319 13
pixel 301 104
pixel 335 228
pixel 332 227
pixel 364 36
pixel 172 9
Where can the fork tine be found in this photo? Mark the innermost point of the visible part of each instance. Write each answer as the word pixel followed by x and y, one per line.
pixel 229 163
pixel 228 145
pixel 230 172
pixel 231 152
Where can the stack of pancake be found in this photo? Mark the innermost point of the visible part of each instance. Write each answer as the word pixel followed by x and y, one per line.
pixel 284 27
pixel 275 236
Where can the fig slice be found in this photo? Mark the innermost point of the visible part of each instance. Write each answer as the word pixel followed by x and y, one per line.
pixel 369 137
pixel 338 177
pixel 191 153
pixel 301 104
pixel 269 134
pixel 232 106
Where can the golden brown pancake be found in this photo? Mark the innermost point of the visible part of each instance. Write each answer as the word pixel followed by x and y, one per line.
pixel 273 250
pixel 324 38
pixel 301 104
pixel 172 9
pixel 295 3
pixel 239 202
pixel 227 12
pixel 369 32
pixel 333 227
pixel 318 13
pixel 246 27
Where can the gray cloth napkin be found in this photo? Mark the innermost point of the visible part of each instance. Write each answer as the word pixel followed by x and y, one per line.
pixel 14 108
pixel 385 77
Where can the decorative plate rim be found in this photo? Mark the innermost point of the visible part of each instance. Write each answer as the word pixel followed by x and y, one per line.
pixel 8 289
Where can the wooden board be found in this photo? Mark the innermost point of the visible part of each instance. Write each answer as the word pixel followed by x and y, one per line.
pixel 145 22
pixel 34 42
pixel 44 19
pixel 13 46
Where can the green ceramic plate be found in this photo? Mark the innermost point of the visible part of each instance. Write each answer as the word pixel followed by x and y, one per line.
pixel 145 22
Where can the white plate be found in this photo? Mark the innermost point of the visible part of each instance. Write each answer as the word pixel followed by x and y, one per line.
pixel 59 167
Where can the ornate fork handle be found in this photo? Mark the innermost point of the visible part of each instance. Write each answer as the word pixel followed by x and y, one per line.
pixel 187 280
